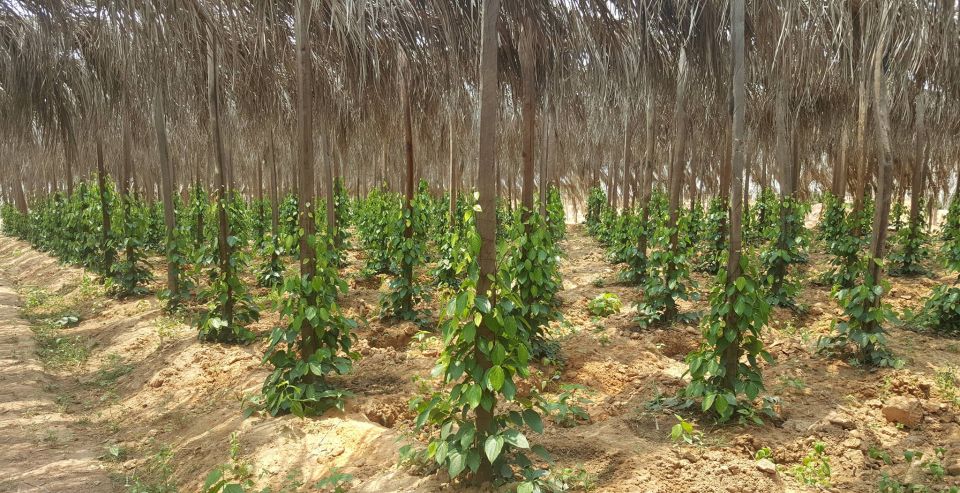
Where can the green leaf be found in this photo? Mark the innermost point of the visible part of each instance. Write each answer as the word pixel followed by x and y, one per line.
pixel 473 460
pixel 721 405
pixel 515 438
pixel 708 401
pixel 473 394
pixel 212 480
pixel 482 304
pixel 457 464
pixel 533 420
pixel 492 447
pixel 495 378
pixel 441 453
pixel 542 453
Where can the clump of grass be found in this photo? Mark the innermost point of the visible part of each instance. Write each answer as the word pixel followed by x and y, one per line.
pixel 111 371
pixel 56 350
pixel 155 476
pixel 49 313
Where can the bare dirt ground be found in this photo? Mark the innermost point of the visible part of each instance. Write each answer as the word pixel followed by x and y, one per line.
pixel 43 449
pixel 148 404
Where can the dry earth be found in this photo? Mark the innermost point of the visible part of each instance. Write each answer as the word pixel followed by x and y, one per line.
pixel 149 403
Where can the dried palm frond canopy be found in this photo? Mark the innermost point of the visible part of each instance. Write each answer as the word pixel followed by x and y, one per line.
pixel 623 88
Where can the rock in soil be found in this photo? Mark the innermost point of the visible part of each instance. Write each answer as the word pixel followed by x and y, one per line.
pixel 767 466
pixel 903 410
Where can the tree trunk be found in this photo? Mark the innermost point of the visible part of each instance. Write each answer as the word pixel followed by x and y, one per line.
pixel 613 178
pixel 18 194
pixel 528 122
pixel 407 266
pixel 647 162
pixel 731 354
pixel 627 166
pixel 454 180
pixel 260 209
pixel 544 181
pixel 916 183
pixel 863 170
pixel 274 188
pixel 746 186
pixel 677 171
pixel 331 201
pixel 69 151
pixel 858 59
pixel 126 162
pixel 308 255
pixel 108 252
pixel 487 217
pixel 885 177
pixel 785 158
pixel 840 169
pixel 168 186
pixel 213 102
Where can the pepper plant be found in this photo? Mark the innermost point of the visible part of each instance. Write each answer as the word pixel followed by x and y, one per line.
pixel 406 252
pixel 531 270
pixel 486 348
pixel 298 383
pixel 910 248
pixel 556 220
pixel 723 380
pixel 864 314
pixel 715 236
pixel 230 307
pixel 668 280
pixel 375 219
pixel 941 310
pixel 596 203
pixel 787 240
pixel 130 274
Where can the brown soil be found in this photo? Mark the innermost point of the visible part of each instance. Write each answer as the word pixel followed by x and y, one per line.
pixel 149 385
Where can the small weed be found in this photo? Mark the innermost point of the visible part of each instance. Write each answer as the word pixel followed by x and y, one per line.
pixel 291 484
pixel 156 476
pixel 686 432
pixel 50 437
pixel 48 314
pixel 794 383
pixel 946 381
pixel 879 454
pixel 231 477
pixel 59 351
pixel 335 482
pixel 112 370
pixel 423 339
pixel 806 336
pixel 64 402
pixel 604 305
pixel 934 468
pixel 89 288
pixel 567 411
pixel 909 455
pixel 167 328
pixel 814 470
pixel 573 479
pixel 764 453
pixel 114 453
